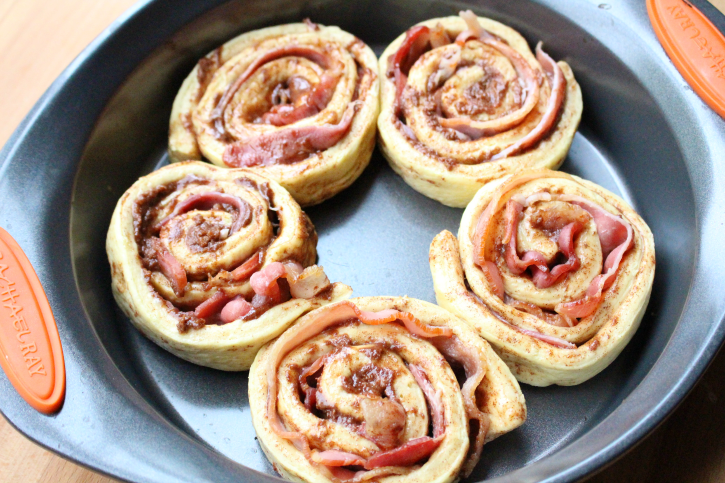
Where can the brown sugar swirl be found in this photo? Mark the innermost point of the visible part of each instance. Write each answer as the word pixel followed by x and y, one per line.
pixel 465 101
pixel 553 270
pixel 212 263
pixel 296 102
pixel 364 390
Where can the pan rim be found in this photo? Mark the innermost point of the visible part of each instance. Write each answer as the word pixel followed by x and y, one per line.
pixel 656 413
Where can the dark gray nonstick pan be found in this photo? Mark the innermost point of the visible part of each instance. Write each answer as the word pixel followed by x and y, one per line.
pixel 138 413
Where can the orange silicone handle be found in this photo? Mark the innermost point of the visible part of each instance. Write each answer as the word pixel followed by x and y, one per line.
pixel 30 351
pixel 695 46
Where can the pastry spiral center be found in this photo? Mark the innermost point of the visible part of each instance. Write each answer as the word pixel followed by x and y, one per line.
pixel 541 226
pixel 540 230
pixel 352 389
pixel 485 85
pixel 371 391
pixel 223 226
pixel 277 86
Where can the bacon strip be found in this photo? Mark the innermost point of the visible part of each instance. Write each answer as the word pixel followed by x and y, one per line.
pixel 383 419
pixel 433 397
pixel 480 236
pixel 310 398
pixel 217 114
pixel 405 455
pixel 558 320
pixel 531 258
pixel 207 201
pixel 549 339
pixel 229 309
pixel 612 230
pixel 566 244
pixel 475 367
pixel 172 269
pixel 493 277
pixel 616 238
pixel 556 99
pixel 335 457
pixel 246 269
pixel 294 336
pixel 311 104
pixel 411 323
pixel 555 341
pixel 414 45
pixel 287 146
pixel 235 309
pixel 474 28
pixel 310 370
pixel 311 392
pixel 264 282
pixel 211 305
pixel 589 303
pixel 303 283
pixel 530 200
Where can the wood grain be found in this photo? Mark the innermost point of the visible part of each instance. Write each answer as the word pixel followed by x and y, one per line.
pixel 38 38
pixel 718 4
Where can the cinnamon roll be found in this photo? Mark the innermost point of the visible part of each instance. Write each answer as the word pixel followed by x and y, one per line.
pixel 465 101
pixel 211 264
pixel 296 102
pixel 364 390
pixel 560 271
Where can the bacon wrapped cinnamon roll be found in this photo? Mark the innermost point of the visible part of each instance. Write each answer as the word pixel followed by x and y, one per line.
pixel 465 101
pixel 365 389
pixel 554 271
pixel 296 102
pixel 211 264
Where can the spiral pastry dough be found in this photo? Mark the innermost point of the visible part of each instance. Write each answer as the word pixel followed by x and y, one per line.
pixel 560 271
pixel 465 101
pixel 363 390
pixel 210 263
pixel 296 103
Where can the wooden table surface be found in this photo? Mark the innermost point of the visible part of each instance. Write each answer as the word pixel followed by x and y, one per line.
pixel 38 38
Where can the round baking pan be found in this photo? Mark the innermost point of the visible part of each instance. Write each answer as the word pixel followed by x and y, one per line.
pixel 137 413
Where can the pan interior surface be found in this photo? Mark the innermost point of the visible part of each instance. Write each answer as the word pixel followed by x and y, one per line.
pixel 375 235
